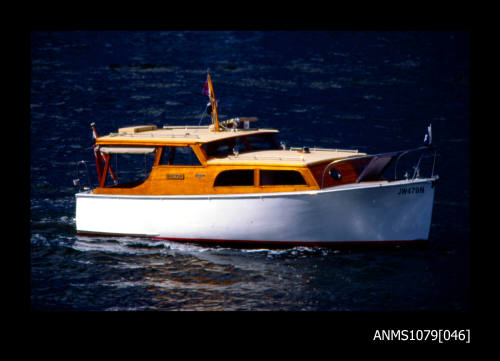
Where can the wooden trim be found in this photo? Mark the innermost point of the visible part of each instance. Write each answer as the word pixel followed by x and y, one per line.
pixel 200 153
pixel 349 170
pixel 257 163
pixel 159 151
pixel 308 177
pixel 107 158
pixel 144 142
pixel 158 142
pixel 200 180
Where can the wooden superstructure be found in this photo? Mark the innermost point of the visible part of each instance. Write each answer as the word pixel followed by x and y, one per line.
pixel 266 169
pixel 225 157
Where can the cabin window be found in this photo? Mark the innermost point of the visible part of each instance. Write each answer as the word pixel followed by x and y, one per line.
pixel 221 148
pixel 178 156
pixel 261 142
pixel 240 177
pixel 129 169
pixel 281 178
pixel 248 143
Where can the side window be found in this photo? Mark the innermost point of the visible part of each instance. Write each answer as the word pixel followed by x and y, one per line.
pixel 261 142
pixel 178 156
pixel 281 177
pixel 241 177
pixel 219 148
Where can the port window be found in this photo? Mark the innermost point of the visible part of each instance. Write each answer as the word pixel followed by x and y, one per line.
pixel 281 178
pixel 261 142
pixel 178 156
pixel 247 143
pixel 240 177
pixel 221 148
pixel 129 169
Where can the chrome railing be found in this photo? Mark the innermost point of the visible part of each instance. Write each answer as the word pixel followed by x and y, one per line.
pixel 417 167
pixel 396 155
pixel 76 181
pixel 339 161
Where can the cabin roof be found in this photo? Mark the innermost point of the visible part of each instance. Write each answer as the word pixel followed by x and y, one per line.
pixel 143 135
pixel 290 157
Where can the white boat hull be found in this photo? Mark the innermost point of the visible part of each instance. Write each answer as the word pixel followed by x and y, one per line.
pixel 366 212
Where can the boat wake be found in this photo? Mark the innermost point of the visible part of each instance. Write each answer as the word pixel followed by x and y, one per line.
pixel 134 246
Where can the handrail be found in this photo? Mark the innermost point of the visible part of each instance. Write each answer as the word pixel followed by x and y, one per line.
pixel 184 127
pixel 76 181
pixel 414 150
pixel 399 155
pixel 325 150
pixel 156 135
pixel 339 161
pixel 267 157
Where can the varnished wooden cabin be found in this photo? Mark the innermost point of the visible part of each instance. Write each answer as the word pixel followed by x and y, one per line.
pixel 196 160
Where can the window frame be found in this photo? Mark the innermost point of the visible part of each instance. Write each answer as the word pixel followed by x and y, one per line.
pixel 161 149
pixel 305 184
pixel 270 138
pixel 253 185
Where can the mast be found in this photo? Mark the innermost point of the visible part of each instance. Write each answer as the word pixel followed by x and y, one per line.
pixel 213 103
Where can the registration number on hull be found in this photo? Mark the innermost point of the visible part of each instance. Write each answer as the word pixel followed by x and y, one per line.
pixel 410 190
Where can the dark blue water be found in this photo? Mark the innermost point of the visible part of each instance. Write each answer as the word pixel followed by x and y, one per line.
pixel 374 91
